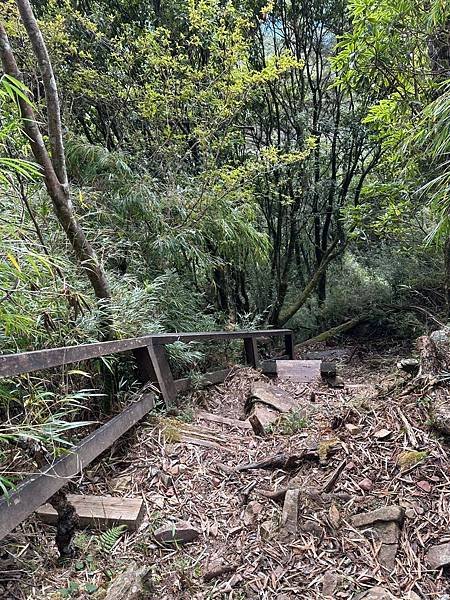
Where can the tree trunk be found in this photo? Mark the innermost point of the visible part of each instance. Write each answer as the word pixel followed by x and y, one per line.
pixel 332 252
pixel 53 166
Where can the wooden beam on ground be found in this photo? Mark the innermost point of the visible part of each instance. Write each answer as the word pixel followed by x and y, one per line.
pixel 35 491
pixel 100 512
pixel 163 373
pixel 223 420
pixel 251 352
pixel 185 385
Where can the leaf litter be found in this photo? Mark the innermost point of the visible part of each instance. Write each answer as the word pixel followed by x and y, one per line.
pixel 188 472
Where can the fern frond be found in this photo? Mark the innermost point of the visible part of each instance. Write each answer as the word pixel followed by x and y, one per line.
pixel 109 538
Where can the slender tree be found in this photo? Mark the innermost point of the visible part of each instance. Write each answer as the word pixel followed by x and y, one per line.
pixel 52 161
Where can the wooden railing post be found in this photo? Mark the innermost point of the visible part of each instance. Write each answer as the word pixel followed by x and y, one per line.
pixel 289 345
pixel 251 352
pixel 163 373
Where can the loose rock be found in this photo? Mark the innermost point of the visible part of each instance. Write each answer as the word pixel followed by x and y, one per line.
pixel 366 485
pixel 382 434
pixel 353 429
pixel 133 584
pixel 251 512
pixel 181 532
pixel 329 584
pixel 387 513
pixel 290 513
pixel 439 556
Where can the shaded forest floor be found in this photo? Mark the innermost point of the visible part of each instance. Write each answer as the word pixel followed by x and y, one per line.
pixel 377 443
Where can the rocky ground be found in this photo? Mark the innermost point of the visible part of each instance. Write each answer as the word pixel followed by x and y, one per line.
pixel 353 501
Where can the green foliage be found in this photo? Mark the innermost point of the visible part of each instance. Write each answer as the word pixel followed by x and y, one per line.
pixel 109 538
pixel 215 151
pixel 290 423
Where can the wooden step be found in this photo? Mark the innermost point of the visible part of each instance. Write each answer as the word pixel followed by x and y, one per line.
pixel 100 512
pixel 303 371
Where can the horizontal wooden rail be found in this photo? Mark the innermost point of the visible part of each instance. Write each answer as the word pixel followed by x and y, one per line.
pixel 26 362
pixel 39 488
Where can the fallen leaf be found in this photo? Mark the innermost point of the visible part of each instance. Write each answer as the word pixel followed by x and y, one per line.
pixel 425 486
pixel 382 434
pixel 334 516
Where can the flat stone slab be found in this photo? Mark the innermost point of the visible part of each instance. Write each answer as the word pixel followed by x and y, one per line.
pixel 271 395
pixel 439 556
pixel 289 517
pixel 387 513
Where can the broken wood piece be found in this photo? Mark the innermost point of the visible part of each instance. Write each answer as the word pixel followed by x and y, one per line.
pixel 99 511
pixel 272 396
pixel 303 371
pixel 409 430
pixel 133 584
pixel 334 477
pixel 257 426
pixel 206 416
pixel 217 570
pixel 177 431
pixel 187 439
pixel 287 462
pixel 289 517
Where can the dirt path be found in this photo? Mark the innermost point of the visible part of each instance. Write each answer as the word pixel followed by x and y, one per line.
pixel 384 455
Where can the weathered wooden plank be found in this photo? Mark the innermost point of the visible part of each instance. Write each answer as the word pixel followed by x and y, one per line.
pixel 170 338
pixel 39 488
pixel 251 352
pixel 100 512
pixel 206 416
pixel 303 371
pixel 163 373
pixel 184 385
pixel 25 362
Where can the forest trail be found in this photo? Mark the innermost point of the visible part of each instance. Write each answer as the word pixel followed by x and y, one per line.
pixel 286 531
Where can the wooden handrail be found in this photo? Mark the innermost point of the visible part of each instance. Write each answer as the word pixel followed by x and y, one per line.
pixel 26 362
pixel 151 357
